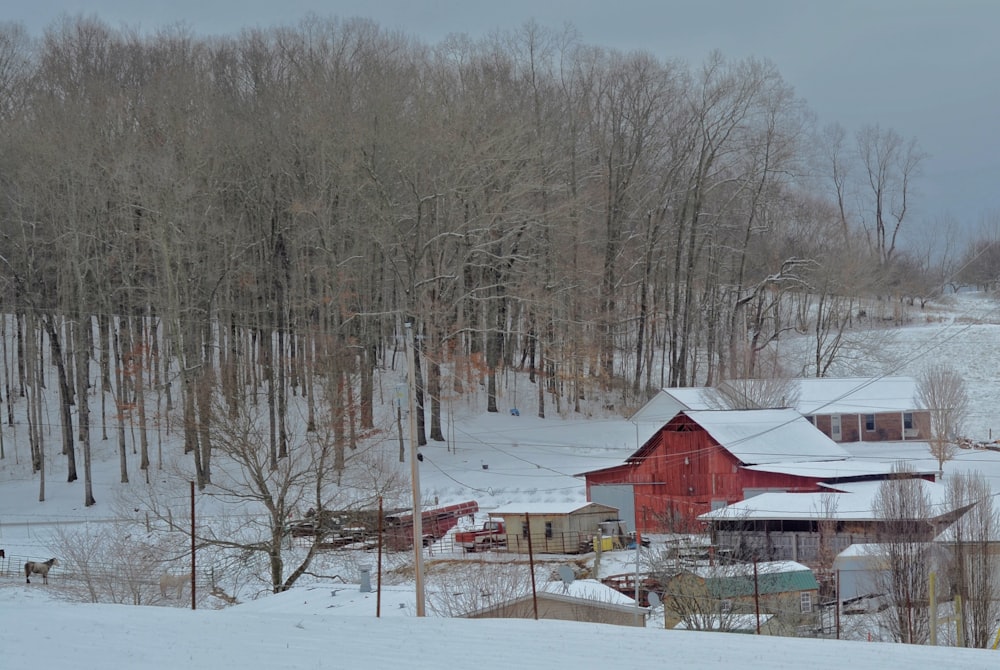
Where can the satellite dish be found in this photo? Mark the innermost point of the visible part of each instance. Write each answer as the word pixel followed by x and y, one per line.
pixel 654 600
pixel 566 575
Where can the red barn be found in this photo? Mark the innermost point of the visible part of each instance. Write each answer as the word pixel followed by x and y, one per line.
pixel 705 459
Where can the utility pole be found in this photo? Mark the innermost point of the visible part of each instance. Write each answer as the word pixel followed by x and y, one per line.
pixel 756 594
pixel 194 602
pixel 531 566
pixel 418 525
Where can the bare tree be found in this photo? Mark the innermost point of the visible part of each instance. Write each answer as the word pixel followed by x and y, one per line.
pixel 890 163
pixel 767 393
pixel 456 590
pixel 973 567
pixel 827 527
pixel 941 389
pixel 258 496
pixel 903 509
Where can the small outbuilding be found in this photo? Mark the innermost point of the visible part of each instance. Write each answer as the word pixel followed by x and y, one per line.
pixel 553 528
pixel 785 589
pixel 862 572
pixel 583 600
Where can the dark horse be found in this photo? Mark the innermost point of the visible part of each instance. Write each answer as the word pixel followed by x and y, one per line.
pixel 38 568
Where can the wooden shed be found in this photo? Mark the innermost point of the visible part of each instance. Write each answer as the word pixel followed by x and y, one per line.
pixel 553 528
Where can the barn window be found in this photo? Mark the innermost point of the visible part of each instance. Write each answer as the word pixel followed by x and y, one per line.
pixel 806 602
pixel 870 423
pixel 548 529
pixel 524 530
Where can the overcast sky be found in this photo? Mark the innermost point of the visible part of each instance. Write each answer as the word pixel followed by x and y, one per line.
pixel 925 68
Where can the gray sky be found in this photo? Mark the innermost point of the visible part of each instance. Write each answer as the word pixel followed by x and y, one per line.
pixel 925 68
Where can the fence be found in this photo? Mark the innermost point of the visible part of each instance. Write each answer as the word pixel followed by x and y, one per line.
pixel 571 542
pixel 110 583
pixel 785 545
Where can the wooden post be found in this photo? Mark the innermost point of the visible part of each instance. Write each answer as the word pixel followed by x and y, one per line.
pixel 959 623
pixel 638 543
pixel 756 595
pixel 531 564
pixel 837 611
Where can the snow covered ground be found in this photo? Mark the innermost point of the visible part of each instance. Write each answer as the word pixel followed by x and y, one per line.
pixel 298 630
pixel 497 459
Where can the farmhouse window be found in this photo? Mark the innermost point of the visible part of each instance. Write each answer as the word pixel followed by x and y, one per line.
pixel 548 529
pixel 908 420
pixel 870 423
pixel 806 603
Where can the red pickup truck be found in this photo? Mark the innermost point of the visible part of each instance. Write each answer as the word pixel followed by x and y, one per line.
pixel 491 534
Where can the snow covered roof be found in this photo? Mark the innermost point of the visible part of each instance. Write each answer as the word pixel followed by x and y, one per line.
pixel 936 493
pixel 695 397
pixel 852 502
pixel 772 577
pixel 783 506
pixel 588 589
pixel 825 395
pixel 857 395
pixel 759 436
pixel 829 469
pixel 667 402
pixel 855 550
pixel 763 567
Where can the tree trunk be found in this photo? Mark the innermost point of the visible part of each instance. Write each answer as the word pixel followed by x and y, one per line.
pixel 434 390
pixel 421 429
pixel 65 398
pixel 120 403
pixel 139 357
pixel 83 346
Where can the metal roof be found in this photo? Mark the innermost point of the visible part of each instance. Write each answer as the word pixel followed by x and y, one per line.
pixel 857 395
pixel 760 436
pixel 850 502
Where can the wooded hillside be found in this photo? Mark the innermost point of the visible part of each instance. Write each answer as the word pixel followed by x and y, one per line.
pixel 259 215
